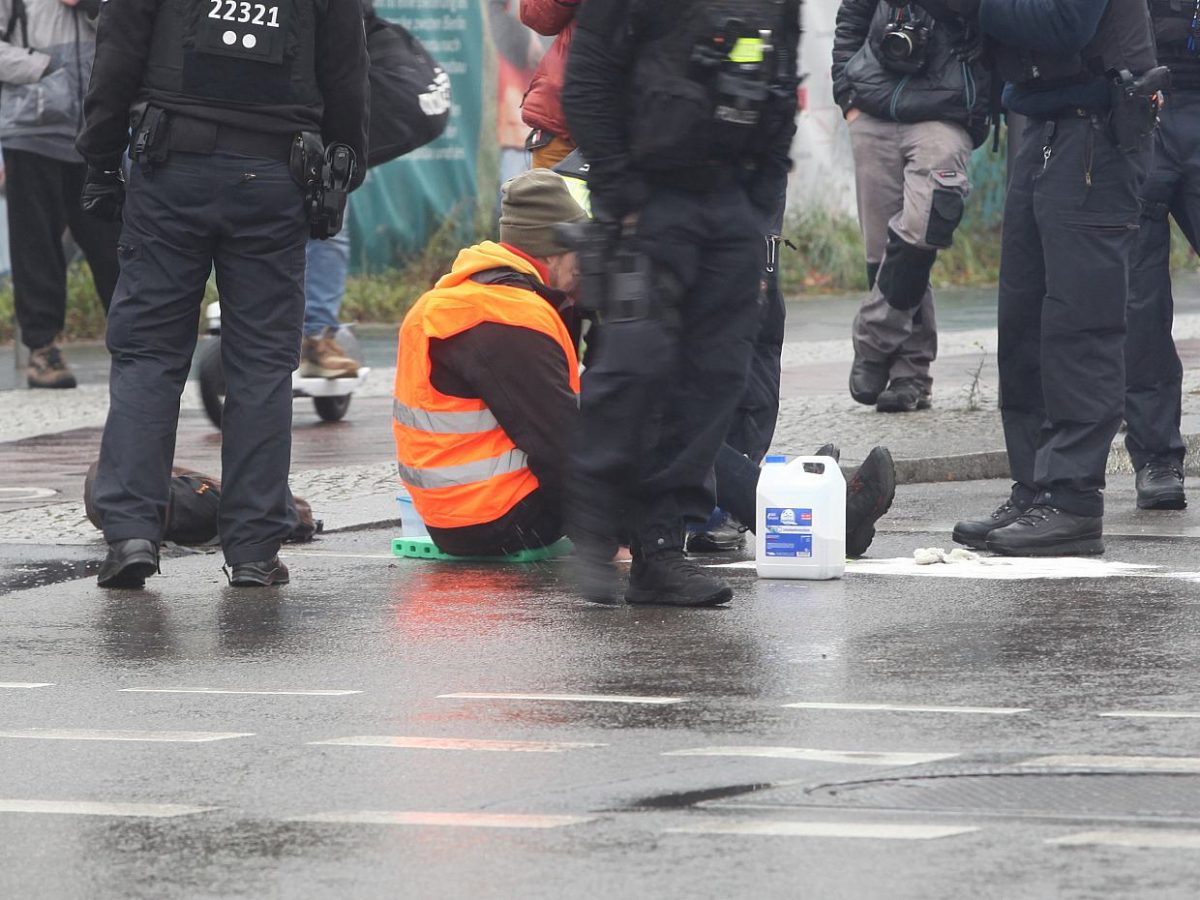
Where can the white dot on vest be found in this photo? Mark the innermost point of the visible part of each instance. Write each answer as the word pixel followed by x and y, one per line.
pixel 229 38
pixel 249 41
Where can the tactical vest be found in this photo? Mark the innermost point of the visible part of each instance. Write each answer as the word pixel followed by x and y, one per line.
pixel 1172 28
pixel 1123 40
pixel 700 88
pixel 235 54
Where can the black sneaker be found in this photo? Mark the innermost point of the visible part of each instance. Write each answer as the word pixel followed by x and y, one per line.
pixel 904 395
pixel 1160 486
pixel 1049 531
pixel 974 533
pixel 262 573
pixel 128 564
pixel 48 369
pixel 869 494
pixel 668 578
pixel 595 579
pixel 867 379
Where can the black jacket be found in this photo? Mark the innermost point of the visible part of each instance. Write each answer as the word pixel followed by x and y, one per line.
pixel 950 89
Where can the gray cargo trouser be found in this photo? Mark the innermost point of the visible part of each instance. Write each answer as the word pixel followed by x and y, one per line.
pixel 911 182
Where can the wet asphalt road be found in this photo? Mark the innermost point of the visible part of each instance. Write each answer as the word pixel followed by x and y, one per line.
pixel 345 770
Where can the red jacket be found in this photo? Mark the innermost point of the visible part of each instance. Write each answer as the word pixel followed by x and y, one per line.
pixel 543 101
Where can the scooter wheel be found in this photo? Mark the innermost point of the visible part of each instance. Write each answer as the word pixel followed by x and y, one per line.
pixel 332 409
pixel 212 379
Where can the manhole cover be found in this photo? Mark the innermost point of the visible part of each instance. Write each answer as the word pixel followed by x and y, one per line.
pixel 25 494
pixel 1062 793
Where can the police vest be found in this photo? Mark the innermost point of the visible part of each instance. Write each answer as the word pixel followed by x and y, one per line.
pixel 1172 30
pixel 700 89
pixel 235 54
pixel 1124 39
pixel 459 465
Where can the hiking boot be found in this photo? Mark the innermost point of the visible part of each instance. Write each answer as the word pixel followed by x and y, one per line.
pixel 262 573
pixel 596 580
pixel 128 564
pixel 974 533
pixel 48 369
pixel 323 357
pixel 867 379
pixel 1160 486
pixel 831 450
pixel 668 578
pixel 1044 530
pixel 904 395
pixel 726 537
pixel 869 494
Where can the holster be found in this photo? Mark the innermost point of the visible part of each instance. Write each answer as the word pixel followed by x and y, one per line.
pixel 148 146
pixel 325 173
pixel 614 275
pixel 1135 106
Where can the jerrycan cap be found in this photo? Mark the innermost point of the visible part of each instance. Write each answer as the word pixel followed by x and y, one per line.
pixel 775 458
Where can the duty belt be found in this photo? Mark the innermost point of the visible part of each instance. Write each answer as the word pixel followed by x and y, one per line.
pixel 188 135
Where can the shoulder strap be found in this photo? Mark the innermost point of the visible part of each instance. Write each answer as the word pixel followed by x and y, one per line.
pixel 512 278
pixel 18 16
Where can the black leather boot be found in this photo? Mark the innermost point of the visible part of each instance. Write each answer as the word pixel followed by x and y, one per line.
pixel 974 533
pixel 261 573
pixel 668 578
pixel 128 564
pixel 868 378
pixel 1160 486
pixel 1049 531
pixel 869 494
pixel 904 395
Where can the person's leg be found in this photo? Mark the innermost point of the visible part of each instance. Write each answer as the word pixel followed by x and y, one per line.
pixel 36 221
pixel 96 238
pixel 260 274
pixel 165 253
pixel 326 265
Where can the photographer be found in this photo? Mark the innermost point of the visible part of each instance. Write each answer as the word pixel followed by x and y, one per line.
pixel 916 102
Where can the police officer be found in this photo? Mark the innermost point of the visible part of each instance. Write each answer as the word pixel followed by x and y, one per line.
pixel 221 98
pixel 686 112
pixel 1074 68
pixel 1153 372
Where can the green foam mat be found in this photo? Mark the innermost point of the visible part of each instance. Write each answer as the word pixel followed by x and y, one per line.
pixel 424 548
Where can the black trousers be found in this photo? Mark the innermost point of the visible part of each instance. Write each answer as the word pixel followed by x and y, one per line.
pixel 43 202
pixel 658 397
pixel 1070 226
pixel 1153 372
pixel 245 217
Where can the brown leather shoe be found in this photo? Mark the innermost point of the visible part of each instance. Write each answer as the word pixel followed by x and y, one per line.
pixel 323 357
pixel 48 369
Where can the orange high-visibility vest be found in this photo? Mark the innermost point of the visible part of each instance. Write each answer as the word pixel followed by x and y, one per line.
pixel 459 465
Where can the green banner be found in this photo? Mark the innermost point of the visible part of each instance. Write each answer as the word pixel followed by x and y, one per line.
pixel 403 202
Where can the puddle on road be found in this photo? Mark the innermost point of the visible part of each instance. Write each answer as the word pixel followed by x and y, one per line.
pixel 41 573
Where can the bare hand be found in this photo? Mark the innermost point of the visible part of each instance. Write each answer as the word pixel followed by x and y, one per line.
pixel 69 2
pixel 851 114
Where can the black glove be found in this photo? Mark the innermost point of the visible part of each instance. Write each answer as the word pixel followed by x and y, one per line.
pixel 103 193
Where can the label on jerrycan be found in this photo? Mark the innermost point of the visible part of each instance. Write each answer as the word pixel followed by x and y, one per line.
pixel 789 532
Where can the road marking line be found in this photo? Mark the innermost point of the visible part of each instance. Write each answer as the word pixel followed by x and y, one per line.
pixel 445 820
pixel 900 707
pixel 853 757
pixel 24 685
pixel 826 829
pixel 1130 763
pixel 1173 840
pixel 87 808
pixel 569 698
pixel 324 554
pixel 433 743
pixel 90 734
pixel 1150 714
pixel 261 694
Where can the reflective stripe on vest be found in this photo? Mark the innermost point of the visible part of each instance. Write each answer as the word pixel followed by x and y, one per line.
pixel 476 422
pixel 467 473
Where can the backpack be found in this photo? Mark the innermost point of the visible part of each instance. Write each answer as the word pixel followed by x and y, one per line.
pixel 410 93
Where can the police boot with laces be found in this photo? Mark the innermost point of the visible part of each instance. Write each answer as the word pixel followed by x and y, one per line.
pixel 260 573
pixel 668 578
pixel 128 564
pixel 904 395
pixel 1044 530
pixel 1160 486
pixel 321 356
pixel 974 533
pixel 48 369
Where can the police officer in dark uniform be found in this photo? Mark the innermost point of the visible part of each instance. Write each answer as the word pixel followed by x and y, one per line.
pixel 1153 372
pixel 223 108
pixel 1083 72
pixel 685 110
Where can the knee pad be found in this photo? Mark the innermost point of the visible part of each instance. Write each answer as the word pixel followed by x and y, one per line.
pixel 946 207
pixel 904 274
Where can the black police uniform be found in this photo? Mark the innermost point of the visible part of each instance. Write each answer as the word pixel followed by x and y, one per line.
pixel 661 388
pixel 216 94
pixel 1070 226
pixel 1153 372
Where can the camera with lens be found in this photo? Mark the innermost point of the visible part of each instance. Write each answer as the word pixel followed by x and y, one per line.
pixel 904 45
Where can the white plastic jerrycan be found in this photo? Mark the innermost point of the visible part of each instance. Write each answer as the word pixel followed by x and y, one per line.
pixel 800 519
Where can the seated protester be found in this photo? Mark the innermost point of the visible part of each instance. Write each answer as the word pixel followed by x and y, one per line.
pixel 487 382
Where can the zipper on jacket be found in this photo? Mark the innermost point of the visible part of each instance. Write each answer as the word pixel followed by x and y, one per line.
pixel 970 94
pixel 896 97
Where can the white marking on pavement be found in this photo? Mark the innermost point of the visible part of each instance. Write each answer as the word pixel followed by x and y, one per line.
pixel 1130 763
pixel 24 685
pixel 1003 568
pixel 853 757
pixel 1150 714
pixel 433 743
pixel 868 830
pixel 445 820
pixel 87 808
pixel 569 698
pixel 262 694
pixel 1158 838
pixel 325 554
pixel 90 734
pixel 901 707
